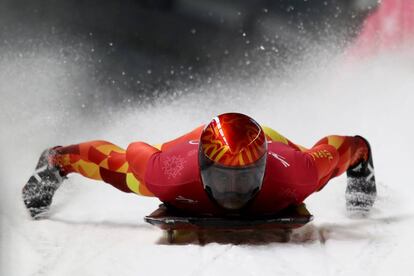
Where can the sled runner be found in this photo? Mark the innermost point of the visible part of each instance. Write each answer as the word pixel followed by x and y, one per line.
pixel 172 221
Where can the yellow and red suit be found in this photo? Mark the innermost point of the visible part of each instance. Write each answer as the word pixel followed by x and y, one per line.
pixel 170 171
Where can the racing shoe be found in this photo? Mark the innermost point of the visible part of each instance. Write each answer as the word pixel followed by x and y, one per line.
pixel 42 185
pixel 361 190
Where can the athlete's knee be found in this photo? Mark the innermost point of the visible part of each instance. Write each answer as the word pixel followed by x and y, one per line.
pixel 326 159
pixel 333 140
pixel 139 150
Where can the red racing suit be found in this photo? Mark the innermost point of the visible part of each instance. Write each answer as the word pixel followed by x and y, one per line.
pixel 170 171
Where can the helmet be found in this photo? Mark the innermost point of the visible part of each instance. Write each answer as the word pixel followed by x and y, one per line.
pixel 232 158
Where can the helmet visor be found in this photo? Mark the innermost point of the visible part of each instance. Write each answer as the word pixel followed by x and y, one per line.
pixel 233 187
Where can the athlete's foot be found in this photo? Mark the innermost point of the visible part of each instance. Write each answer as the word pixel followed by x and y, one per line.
pixel 361 190
pixel 39 190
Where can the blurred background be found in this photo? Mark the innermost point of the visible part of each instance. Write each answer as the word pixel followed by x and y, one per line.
pixel 140 49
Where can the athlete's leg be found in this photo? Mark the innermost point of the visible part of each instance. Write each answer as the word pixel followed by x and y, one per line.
pixel 99 160
pixel 335 154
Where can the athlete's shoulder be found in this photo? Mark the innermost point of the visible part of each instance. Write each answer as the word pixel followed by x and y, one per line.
pixel 193 135
pixel 274 136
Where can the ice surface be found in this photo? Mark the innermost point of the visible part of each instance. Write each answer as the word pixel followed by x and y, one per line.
pixel 94 229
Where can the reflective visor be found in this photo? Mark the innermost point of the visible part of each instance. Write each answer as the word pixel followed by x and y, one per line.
pixel 232 187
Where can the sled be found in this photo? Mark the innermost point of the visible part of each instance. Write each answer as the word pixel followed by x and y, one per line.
pixel 172 221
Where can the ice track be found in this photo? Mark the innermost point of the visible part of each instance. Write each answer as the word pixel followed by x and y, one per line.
pixel 95 230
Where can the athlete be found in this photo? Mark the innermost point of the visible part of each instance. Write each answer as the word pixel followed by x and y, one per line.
pixel 231 166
